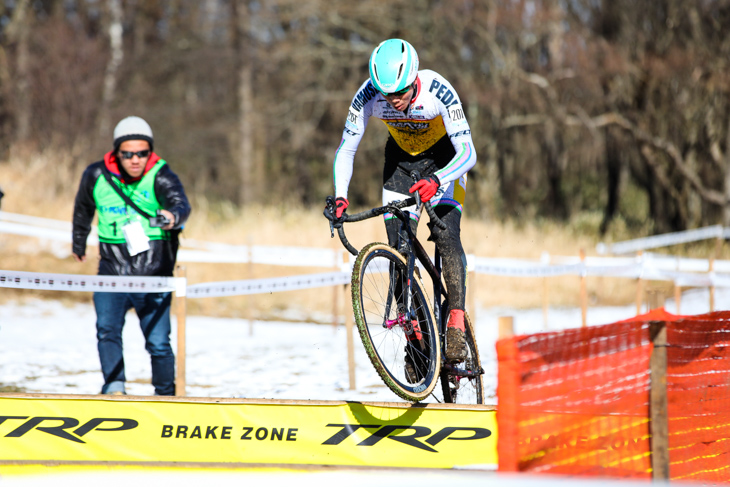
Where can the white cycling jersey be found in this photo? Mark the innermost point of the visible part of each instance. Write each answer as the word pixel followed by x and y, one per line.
pixel 434 111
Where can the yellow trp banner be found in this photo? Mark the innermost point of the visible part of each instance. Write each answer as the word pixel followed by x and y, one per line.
pixel 87 429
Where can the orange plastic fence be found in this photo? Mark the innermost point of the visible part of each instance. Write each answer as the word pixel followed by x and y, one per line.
pixel 577 401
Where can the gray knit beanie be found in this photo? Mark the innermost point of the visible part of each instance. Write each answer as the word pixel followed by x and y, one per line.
pixel 132 128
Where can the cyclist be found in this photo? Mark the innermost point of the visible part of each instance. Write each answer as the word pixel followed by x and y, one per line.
pixel 428 133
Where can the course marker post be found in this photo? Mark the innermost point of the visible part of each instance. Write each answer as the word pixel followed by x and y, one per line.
pixel 336 290
pixel 249 275
pixel 545 260
pixel 639 285
pixel 506 327
pixel 658 401
pixel 181 310
pixel 711 268
pixel 583 292
pixel 349 330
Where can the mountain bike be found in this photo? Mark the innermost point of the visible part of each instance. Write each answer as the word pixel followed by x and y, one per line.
pixel 403 334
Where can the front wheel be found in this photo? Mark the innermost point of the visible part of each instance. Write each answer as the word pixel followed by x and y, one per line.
pixel 466 388
pixel 396 324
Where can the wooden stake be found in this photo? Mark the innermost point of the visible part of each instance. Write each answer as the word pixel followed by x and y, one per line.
pixel 471 292
pixel 678 292
pixel 639 289
pixel 349 330
pixel 506 327
pixel 336 290
pixel 655 299
pixel 678 297
pixel 583 292
pixel 658 402
pixel 181 310
pixel 715 254
pixel 249 275
pixel 545 259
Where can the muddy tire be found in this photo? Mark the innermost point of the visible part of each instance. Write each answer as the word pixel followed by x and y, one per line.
pixel 378 300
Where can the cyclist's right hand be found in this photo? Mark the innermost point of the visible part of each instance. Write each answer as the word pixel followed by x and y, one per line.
pixel 335 210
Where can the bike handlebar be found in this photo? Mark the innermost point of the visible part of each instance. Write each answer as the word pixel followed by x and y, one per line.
pixel 393 207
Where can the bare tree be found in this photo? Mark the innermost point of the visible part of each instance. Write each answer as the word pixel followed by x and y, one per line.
pixel 19 32
pixel 116 55
pixel 242 47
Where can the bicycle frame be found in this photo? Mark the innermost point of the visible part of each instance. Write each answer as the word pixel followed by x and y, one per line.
pixel 414 250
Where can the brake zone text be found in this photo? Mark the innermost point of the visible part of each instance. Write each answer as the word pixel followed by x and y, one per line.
pixel 229 432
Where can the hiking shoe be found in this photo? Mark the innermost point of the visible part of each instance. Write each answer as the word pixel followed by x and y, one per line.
pixel 455 345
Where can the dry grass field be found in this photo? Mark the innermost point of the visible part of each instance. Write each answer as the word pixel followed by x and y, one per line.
pixel 38 187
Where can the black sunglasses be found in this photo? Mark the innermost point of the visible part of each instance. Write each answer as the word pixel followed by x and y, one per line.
pixel 398 93
pixel 128 154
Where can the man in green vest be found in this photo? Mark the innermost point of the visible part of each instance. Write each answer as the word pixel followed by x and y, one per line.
pixel 141 206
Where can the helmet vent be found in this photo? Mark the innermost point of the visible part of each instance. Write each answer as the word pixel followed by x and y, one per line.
pixel 400 70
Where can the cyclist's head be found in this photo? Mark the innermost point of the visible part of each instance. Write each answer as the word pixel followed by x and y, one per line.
pixel 393 66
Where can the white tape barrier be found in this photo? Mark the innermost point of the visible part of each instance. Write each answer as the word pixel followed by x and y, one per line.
pixel 36 221
pixel 72 282
pixel 122 284
pixel 212 253
pixel 267 286
pixel 658 261
pixel 69 282
pixel 42 233
pixel 260 254
pixel 665 240
pixel 646 266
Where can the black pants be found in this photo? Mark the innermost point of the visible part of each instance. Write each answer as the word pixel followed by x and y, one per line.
pixel 397 178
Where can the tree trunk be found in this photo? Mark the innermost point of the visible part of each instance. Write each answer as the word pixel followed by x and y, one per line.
pixel 726 206
pixel 242 47
pixel 116 54
pixel 613 180
pixel 21 31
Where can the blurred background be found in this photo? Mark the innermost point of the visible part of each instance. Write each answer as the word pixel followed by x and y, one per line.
pixel 593 119
pixel 618 107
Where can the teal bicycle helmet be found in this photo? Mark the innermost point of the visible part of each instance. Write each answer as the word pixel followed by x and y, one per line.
pixel 393 66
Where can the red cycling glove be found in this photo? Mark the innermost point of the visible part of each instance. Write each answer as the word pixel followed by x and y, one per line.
pixel 341 205
pixel 426 187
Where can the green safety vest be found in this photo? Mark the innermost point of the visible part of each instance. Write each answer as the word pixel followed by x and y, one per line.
pixel 114 212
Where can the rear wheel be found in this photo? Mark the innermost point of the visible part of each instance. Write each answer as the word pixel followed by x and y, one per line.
pixel 463 389
pixel 402 343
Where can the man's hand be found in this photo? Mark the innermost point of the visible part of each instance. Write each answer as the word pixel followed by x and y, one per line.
pixel 79 258
pixel 426 187
pixel 341 205
pixel 170 217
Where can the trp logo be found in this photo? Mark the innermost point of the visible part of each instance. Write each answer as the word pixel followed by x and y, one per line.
pixel 69 428
pixel 391 431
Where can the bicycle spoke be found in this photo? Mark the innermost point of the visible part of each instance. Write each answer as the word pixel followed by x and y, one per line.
pixel 382 319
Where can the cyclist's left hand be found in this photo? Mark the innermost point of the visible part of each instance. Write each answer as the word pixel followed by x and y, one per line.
pixel 426 187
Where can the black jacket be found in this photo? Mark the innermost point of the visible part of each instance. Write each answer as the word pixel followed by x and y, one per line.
pixel 159 260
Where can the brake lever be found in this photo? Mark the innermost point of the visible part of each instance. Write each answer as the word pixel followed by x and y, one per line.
pixel 416 176
pixel 330 202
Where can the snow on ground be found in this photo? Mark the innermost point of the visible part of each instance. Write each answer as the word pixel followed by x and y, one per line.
pixel 51 348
